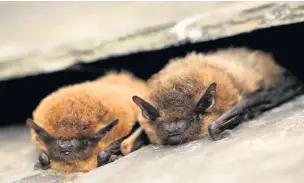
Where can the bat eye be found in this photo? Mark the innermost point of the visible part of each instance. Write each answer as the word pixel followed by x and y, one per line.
pixel 174 118
pixel 191 119
pixel 86 142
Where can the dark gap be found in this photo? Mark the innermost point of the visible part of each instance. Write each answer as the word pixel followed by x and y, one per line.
pixel 20 96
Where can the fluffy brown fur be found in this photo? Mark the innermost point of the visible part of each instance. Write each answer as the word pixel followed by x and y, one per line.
pixel 175 91
pixel 81 110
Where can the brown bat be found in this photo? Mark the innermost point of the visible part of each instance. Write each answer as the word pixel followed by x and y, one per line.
pixel 208 94
pixel 81 126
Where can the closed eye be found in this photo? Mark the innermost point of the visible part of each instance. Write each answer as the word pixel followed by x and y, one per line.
pixel 86 142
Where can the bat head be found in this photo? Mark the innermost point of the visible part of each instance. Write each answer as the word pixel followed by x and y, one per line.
pixel 176 126
pixel 71 149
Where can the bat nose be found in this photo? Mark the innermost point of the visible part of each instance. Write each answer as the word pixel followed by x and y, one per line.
pixel 173 129
pixel 65 145
pixel 176 128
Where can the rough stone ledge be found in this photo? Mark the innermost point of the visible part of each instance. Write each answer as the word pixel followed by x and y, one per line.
pixel 219 20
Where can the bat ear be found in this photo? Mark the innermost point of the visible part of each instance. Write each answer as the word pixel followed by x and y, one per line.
pixel 207 100
pixel 105 130
pixel 148 110
pixel 40 131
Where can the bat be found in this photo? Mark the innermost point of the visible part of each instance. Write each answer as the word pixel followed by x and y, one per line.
pixel 81 126
pixel 208 94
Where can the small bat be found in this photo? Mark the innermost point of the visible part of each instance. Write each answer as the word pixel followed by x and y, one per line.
pixel 205 94
pixel 81 126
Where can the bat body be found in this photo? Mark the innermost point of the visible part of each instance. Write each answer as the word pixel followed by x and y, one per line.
pixel 210 93
pixel 75 124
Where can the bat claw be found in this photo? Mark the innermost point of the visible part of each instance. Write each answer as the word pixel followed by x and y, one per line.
pixel 226 133
pixel 103 158
pixel 44 162
pixel 113 158
pixel 106 157
pixel 38 166
pixel 216 133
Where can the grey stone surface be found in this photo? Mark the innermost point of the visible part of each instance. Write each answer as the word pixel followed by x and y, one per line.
pixel 48 36
pixel 16 152
pixel 267 149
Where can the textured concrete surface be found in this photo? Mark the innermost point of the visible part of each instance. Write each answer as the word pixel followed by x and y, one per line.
pixel 268 149
pixel 47 36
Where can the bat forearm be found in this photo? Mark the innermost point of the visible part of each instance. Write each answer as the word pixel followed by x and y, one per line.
pixel 133 142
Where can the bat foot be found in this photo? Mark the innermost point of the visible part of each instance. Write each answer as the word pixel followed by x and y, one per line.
pixel 106 158
pixel 113 158
pixel 44 162
pixel 217 134
pixel 226 134
pixel 103 158
pixel 38 166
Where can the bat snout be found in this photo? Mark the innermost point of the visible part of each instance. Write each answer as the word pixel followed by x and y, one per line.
pixel 65 147
pixel 174 129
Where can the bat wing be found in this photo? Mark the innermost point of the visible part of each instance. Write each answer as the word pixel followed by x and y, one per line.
pixel 286 87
